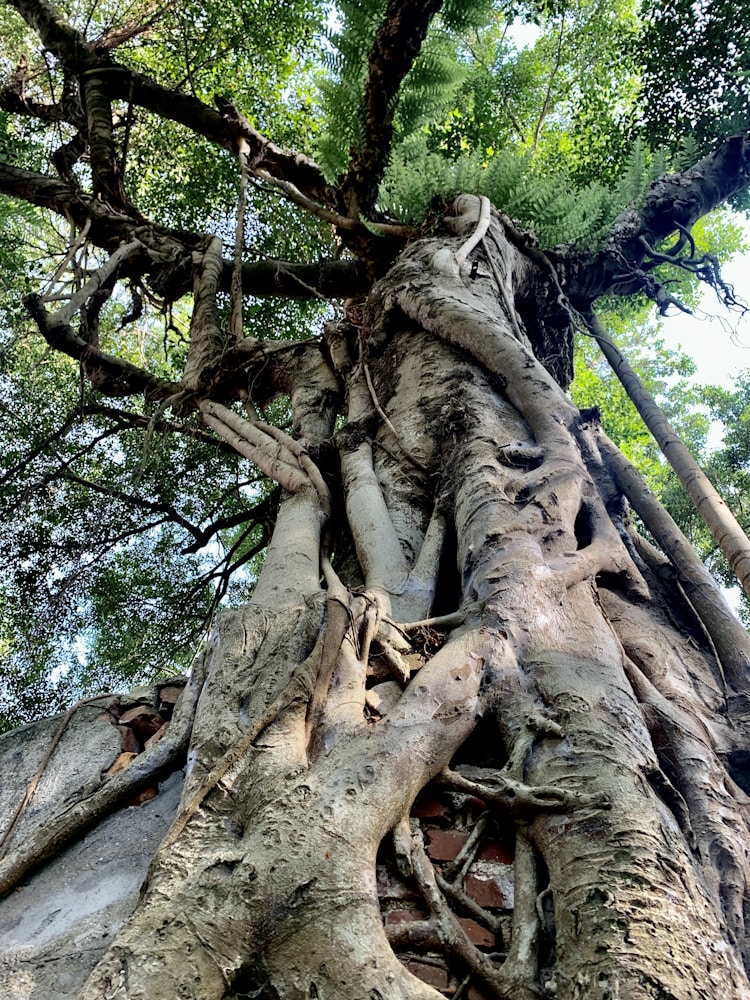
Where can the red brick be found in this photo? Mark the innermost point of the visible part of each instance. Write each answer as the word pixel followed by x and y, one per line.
pixel 477 934
pixel 431 807
pixel 160 732
pixel 444 845
pixel 484 891
pixel 493 850
pixel 434 975
pixel 404 916
pixel 144 721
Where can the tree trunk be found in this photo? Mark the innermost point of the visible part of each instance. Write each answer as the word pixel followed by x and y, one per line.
pixel 467 489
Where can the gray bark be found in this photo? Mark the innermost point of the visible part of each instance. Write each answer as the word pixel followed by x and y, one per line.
pixel 596 683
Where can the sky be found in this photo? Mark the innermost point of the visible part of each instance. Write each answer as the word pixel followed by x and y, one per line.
pixel 717 340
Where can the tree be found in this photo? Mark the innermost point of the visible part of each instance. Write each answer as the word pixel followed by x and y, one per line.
pixel 453 589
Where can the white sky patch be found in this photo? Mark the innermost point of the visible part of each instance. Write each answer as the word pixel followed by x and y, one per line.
pixel 523 35
pixel 716 338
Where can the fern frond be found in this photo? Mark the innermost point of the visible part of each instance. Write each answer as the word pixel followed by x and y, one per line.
pixel 463 14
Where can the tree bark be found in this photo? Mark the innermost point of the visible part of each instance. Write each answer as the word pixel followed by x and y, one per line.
pixel 475 492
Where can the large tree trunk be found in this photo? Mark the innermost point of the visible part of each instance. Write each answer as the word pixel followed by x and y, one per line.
pixel 466 486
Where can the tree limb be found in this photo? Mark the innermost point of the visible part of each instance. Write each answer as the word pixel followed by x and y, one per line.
pixel 157 508
pixel 397 44
pixel 342 279
pixel 674 203
pixel 113 376
pixel 120 83
pixel 108 228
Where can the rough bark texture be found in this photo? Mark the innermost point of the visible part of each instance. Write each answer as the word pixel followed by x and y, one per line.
pixel 603 723
pixel 471 736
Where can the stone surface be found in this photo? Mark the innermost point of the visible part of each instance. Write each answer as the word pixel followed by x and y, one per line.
pixel 54 928
pixel 144 721
pixel 89 745
pixel 170 694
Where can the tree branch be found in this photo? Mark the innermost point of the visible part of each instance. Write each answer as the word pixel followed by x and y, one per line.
pixel 548 94
pixel 105 167
pixel 674 203
pixel 263 512
pixel 333 279
pixel 727 633
pixel 157 508
pixel 111 375
pixel 394 51
pixel 224 127
pixel 108 228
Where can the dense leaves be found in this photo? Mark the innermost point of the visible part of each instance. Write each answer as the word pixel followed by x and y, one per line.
pixel 696 57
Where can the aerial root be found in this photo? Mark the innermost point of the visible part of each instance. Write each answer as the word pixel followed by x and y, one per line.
pixel 516 798
pixel 521 967
pixel 605 553
pixel 414 862
pixel 253 440
pixel 377 636
pixel 509 972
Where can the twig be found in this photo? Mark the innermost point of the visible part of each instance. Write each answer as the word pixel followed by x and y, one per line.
pixel 328 215
pixel 72 251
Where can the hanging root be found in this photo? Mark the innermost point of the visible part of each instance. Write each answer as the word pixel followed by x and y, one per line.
pixel 514 797
pixel 414 861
